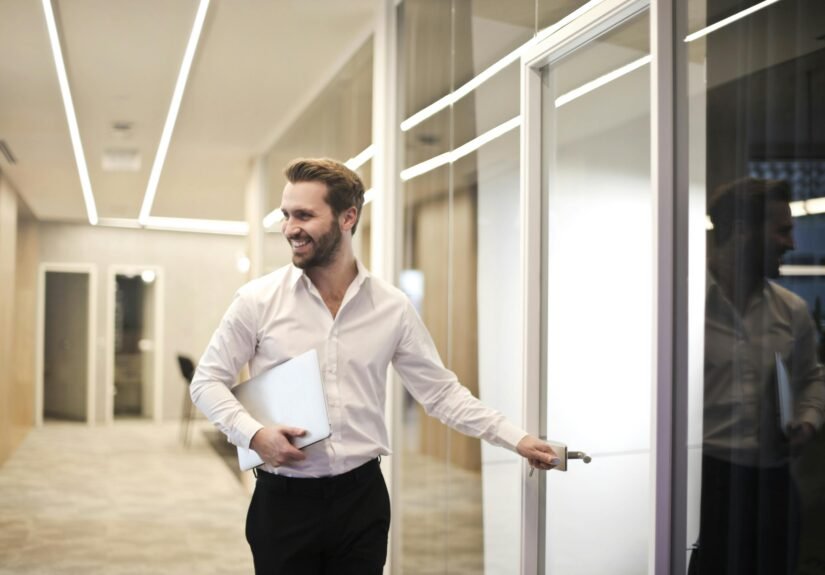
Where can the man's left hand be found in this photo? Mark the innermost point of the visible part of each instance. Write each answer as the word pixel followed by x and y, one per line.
pixel 801 435
pixel 538 453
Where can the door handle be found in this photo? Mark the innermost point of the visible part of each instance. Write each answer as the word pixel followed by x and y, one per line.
pixel 565 455
pixel 579 455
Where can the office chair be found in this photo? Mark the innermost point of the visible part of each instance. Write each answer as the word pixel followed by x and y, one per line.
pixel 187 370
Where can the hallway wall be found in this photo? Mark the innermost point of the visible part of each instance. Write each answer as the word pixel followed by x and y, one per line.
pixel 18 263
pixel 199 279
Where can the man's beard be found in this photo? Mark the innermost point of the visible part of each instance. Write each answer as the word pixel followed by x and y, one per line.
pixel 325 248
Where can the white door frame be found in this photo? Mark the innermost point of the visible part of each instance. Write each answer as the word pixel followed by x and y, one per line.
pixel 91 355
pixel 111 287
pixel 593 20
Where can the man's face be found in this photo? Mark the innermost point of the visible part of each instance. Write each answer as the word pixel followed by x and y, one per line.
pixel 309 225
pixel 777 236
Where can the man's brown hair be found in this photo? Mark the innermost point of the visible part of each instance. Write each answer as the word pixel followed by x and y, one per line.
pixel 344 187
pixel 744 203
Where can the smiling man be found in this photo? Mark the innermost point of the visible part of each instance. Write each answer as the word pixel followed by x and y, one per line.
pixel 325 509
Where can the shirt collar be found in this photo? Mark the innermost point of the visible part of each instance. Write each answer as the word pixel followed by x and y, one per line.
pixel 296 273
pixel 712 287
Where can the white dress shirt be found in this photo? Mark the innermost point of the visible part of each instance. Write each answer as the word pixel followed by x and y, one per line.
pixel 282 315
pixel 741 414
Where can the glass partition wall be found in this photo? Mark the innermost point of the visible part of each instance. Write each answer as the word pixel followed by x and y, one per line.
pixel 755 97
pixel 750 143
pixel 460 508
pixel 336 123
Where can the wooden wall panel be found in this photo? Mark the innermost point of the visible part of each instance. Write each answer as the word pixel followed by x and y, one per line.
pixel 456 337
pixel 25 328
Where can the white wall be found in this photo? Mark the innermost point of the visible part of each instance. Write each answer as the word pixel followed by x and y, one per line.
pixel 200 277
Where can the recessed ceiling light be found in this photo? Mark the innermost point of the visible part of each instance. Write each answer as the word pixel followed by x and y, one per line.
pixel 172 116
pixel 71 118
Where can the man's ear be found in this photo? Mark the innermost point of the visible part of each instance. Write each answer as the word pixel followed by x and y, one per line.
pixel 348 218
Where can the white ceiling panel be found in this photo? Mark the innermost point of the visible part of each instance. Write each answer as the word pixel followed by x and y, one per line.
pixel 259 64
pixel 32 122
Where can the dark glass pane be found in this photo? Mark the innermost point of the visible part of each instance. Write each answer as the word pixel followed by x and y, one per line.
pixel 756 113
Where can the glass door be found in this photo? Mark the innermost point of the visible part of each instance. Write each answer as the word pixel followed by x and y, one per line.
pixel 587 157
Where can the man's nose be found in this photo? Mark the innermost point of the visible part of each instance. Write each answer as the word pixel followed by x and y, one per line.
pixel 288 226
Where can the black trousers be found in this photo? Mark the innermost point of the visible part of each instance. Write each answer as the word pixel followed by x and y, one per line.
pixel 331 525
pixel 750 521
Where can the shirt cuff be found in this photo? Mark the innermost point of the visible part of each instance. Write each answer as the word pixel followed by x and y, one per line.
pixel 812 416
pixel 509 435
pixel 245 430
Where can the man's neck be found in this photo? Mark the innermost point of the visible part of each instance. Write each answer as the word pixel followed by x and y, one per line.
pixel 738 285
pixel 333 279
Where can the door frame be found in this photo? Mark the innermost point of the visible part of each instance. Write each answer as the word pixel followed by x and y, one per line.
pixel 91 355
pixel 593 20
pixel 112 272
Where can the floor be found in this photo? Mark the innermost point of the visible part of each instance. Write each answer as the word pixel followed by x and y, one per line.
pixel 123 499
pixel 129 499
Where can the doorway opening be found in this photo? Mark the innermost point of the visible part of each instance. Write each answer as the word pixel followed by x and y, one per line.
pixel 65 343
pixel 134 345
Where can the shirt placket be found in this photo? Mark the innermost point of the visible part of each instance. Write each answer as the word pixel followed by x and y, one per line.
pixel 333 387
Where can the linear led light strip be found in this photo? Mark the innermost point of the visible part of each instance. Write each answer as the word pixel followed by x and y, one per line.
pixel 494 69
pixel 353 164
pixel 601 81
pixel 798 209
pixel 235 228
pixel 172 116
pixel 808 207
pixel 460 152
pixel 471 146
pixel 729 20
pixel 795 270
pixel 68 105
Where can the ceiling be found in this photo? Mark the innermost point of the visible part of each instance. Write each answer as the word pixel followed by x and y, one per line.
pixel 259 63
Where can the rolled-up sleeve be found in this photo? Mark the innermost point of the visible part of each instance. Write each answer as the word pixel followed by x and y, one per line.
pixel 437 389
pixel 232 345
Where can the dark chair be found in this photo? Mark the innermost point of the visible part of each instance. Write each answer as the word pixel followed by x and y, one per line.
pixel 187 370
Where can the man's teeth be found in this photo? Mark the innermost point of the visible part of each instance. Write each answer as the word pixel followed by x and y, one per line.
pixel 299 243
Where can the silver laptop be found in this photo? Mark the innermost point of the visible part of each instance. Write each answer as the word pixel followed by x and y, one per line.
pixel 292 394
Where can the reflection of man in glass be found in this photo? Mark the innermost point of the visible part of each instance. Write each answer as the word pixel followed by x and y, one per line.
pixel 754 329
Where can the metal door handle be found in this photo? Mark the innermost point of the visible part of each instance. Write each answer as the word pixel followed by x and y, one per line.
pixel 565 455
pixel 579 455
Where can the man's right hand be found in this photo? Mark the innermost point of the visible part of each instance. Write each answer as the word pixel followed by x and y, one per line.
pixel 274 444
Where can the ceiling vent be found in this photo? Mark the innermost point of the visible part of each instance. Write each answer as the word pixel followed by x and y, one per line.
pixel 121 160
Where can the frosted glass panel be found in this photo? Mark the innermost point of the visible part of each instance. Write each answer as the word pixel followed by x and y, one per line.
pixel 598 301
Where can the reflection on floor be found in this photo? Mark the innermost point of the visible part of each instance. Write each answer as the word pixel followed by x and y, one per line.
pixel 122 499
pixel 442 523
